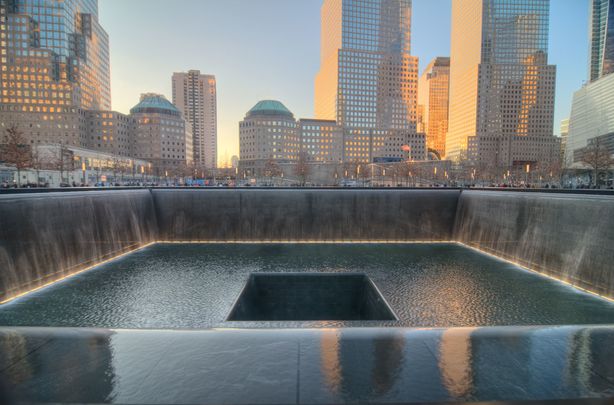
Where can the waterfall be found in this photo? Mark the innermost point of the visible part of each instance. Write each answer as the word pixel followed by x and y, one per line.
pixel 45 237
pixel 567 236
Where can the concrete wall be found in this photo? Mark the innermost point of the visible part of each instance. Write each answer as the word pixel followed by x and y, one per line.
pixel 44 237
pixel 306 215
pixel 567 236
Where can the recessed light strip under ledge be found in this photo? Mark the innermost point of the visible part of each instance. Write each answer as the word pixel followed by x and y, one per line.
pixel 306 242
pixel 67 276
pixel 523 267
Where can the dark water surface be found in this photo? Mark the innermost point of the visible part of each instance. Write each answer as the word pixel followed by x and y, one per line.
pixel 195 286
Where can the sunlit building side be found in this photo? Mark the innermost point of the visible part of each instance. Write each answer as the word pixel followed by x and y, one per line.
pixel 368 79
pixel 433 102
pixel 501 87
pixel 55 55
pixel 321 140
pixel 195 95
pixel 54 69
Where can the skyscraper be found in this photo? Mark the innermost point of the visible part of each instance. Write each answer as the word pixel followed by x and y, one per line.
pixel 602 39
pixel 433 102
pixel 196 96
pixel 592 111
pixel 368 79
pixel 564 136
pixel 55 55
pixel 501 86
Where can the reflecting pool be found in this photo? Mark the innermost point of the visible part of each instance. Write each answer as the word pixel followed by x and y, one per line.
pixel 188 286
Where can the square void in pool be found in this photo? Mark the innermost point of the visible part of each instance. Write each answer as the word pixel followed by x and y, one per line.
pixel 310 297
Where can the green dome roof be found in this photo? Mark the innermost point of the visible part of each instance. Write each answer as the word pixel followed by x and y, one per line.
pixel 270 107
pixel 155 104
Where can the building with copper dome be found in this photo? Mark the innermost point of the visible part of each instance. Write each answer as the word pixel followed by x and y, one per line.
pixel 162 136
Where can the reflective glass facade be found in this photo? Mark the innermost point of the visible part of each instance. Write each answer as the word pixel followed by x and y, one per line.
pixel 502 88
pixel 602 39
pixel 592 115
pixel 368 78
pixel 55 55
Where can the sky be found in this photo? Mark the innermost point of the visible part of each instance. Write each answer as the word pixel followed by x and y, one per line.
pixel 269 49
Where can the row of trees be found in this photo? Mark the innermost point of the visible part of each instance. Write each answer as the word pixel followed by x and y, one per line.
pixel 412 173
pixel 598 157
pixel 302 169
pixel 15 151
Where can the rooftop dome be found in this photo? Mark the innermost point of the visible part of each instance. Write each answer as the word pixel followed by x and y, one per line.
pixel 155 104
pixel 269 107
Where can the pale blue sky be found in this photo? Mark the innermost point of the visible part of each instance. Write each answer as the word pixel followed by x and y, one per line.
pixel 269 49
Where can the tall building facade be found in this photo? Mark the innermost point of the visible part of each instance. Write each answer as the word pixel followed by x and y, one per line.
pixel 54 65
pixel 502 88
pixel 592 116
pixel 321 140
pixel 602 39
pixel 195 95
pixel 433 102
pixel 54 55
pixel 368 79
pixel 110 132
pixel 270 133
pixel 564 137
pixel 592 111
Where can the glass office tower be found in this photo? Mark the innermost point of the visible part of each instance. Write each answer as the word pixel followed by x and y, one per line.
pixel 368 79
pixel 602 39
pixel 55 55
pixel 501 86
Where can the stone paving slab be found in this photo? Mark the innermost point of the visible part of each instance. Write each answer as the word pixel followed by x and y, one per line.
pixel 358 365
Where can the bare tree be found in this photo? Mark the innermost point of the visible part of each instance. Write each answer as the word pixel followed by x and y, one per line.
pixel 301 169
pixel 62 162
pixel 598 157
pixel 15 151
pixel 363 172
pixel 201 171
pixel 348 169
pixel 118 167
pixel 40 161
pixel 272 169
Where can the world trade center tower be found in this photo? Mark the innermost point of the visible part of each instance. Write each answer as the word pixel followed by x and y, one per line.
pixel 602 39
pixel 502 88
pixel 368 79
